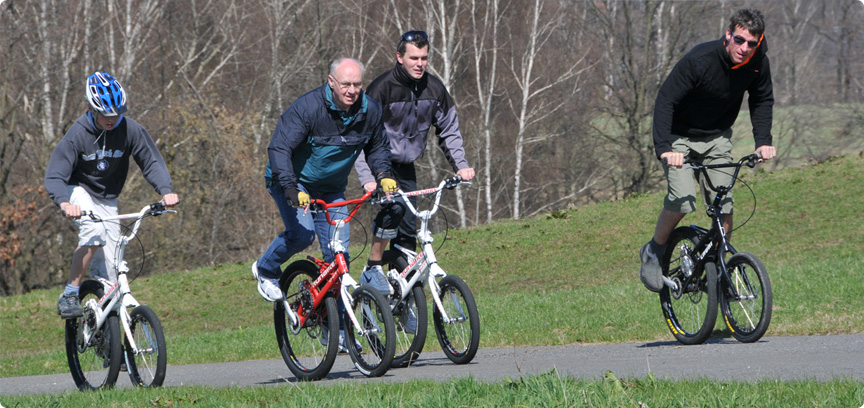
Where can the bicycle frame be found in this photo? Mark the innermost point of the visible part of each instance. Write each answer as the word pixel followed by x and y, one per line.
pixel 118 295
pixel 332 276
pixel 423 266
pixel 716 238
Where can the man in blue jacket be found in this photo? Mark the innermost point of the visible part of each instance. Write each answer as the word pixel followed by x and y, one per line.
pixel 87 172
pixel 313 149
pixel 693 117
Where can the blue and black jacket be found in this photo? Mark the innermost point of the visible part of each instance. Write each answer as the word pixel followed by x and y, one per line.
pixel 315 143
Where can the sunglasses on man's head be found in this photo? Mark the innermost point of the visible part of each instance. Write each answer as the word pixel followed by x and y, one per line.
pixel 415 35
pixel 740 40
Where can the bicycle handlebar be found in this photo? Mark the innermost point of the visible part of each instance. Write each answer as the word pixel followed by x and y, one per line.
pixel 320 205
pixel 750 161
pixel 448 183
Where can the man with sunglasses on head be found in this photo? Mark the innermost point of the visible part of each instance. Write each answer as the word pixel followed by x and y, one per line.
pixel 693 116
pixel 413 101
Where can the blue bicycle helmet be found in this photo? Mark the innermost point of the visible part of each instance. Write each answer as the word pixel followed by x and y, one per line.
pixel 105 94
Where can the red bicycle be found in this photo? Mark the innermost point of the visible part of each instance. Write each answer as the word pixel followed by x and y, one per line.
pixel 308 320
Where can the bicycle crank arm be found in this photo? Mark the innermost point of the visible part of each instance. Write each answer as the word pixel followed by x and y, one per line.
pixel 670 283
pixel 295 320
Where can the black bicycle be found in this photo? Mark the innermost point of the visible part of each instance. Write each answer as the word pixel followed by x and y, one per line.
pixel 698 275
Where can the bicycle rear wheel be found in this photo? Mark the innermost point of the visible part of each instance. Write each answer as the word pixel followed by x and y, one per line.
pixel 147 367
pixel 749 315
pixel 372 345
pixel 690 310
pixel 460 335
pixel 95 364
pixel 409 343
pixel 306 350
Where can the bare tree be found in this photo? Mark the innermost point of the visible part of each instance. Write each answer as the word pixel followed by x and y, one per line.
pixel 527 104
pixel 485 51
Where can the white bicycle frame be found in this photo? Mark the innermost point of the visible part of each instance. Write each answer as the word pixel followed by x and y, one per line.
pixel 425 264
pixel 118 295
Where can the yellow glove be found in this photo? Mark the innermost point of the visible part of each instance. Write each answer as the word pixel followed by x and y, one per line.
pixel 302 199
pixel 388 185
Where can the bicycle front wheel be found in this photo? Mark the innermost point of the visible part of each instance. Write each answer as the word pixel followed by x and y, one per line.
pixel 146 366
pixel 691 309
pixel 94 364
pixel 411 317
pixel 459 333
pixel 309 351
pixel 748 315
pixel 371 346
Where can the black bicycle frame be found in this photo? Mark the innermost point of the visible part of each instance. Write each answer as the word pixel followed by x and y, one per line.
pixel 716 236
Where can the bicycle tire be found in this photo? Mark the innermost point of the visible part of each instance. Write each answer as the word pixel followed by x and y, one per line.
pixel 458 340
pixel 147 368
pixel 306 353
pixel 739 315
pixel 691 311
pixel 409 345
pixel 378 343
pixel 95 365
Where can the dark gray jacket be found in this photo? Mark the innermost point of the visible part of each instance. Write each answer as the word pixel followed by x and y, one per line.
pixel 76 159
pixel 411 107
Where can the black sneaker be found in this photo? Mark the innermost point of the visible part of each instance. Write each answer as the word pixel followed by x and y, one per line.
pixel 650 273
pixel 68 307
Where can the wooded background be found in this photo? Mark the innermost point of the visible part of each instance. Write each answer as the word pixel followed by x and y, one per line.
pixel 554 99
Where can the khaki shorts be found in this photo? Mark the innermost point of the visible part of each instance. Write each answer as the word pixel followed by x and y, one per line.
pixel 105 235
pixel 681 196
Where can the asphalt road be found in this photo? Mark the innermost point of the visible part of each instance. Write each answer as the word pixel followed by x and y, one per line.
pixel 785 358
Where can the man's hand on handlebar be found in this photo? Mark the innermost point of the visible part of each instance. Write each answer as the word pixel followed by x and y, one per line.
pixel 767 152
pixel 673 159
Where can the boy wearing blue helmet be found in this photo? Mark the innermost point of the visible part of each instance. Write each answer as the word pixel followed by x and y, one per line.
pixel 87 171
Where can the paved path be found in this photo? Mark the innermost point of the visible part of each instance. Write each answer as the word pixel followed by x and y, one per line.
pixel 786 358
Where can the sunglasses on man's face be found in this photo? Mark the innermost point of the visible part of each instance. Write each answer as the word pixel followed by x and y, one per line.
pixel 415 35
pixel 740 40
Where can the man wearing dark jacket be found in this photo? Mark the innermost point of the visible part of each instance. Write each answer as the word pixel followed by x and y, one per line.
pixel 693 116
pixel 87 172
pixel 313 149
pixel 413 101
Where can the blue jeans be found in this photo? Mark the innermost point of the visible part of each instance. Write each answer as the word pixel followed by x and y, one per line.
pixel 300 231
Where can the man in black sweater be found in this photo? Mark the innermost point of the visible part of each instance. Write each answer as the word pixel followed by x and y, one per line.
pixel 693 116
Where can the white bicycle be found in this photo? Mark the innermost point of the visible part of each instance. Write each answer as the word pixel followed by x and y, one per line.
pixel 93 342
pixel 457 321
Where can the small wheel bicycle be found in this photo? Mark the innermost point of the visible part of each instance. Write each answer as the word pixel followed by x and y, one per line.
pixel 697 276
pixel 307 321
pixel 108 334
pixel 457 321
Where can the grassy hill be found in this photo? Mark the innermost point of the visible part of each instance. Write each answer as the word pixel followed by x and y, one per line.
pixel 554 279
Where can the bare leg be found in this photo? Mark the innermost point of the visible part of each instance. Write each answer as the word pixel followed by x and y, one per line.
pixel 666 222
pixel 726 219
pixel 376 252
pixel 81 259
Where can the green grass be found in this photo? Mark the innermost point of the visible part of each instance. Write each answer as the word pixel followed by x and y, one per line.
pixel 548 390
pixel 572 274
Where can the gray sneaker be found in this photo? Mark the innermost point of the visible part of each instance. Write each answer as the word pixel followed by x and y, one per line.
pixel 343 347
pixel 268 288
pixel 374 277
pixel 409 321
pixel 68 307
pixel 650 273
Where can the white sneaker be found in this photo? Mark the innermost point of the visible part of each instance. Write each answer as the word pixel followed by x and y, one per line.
pixel 374 277
pixel 268 288
pixel 409 321
pixel 343 348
